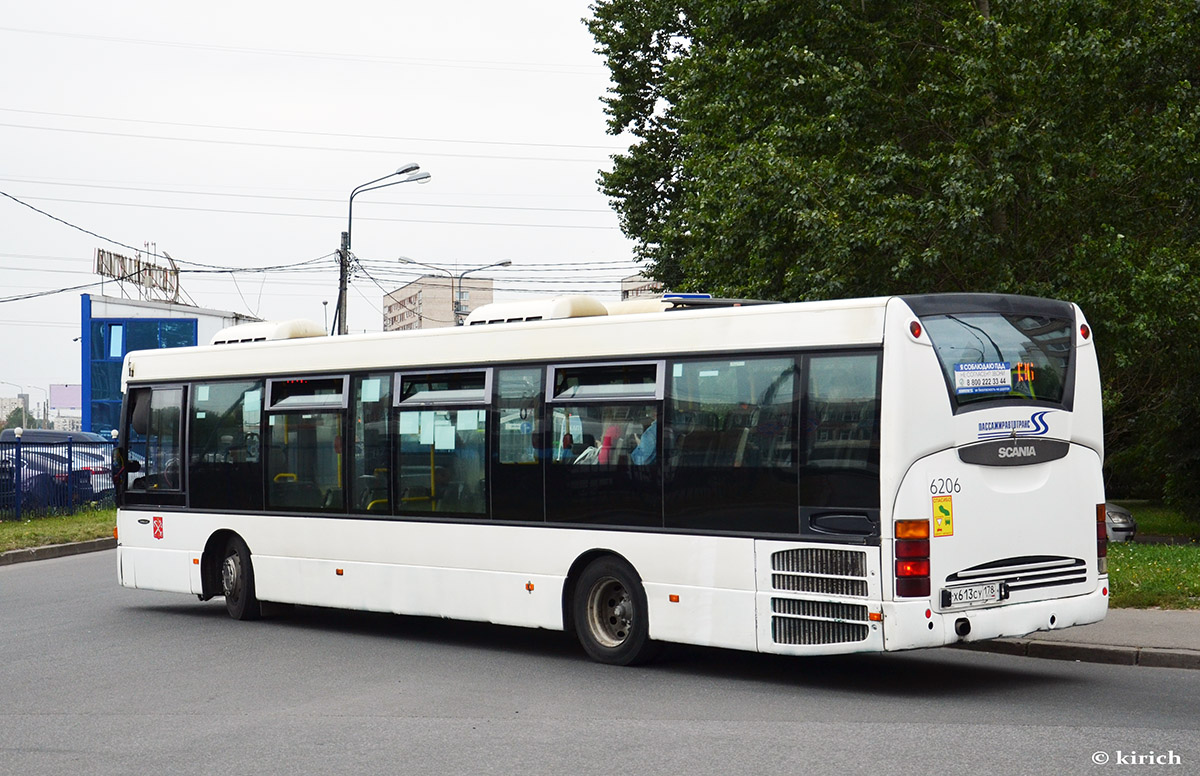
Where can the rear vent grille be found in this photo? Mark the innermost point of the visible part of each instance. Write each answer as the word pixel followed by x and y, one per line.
pixel 826 585
pixel 817 622
pixel 831 572
pixel 1025 573
pixel 829 610
pixel 846 563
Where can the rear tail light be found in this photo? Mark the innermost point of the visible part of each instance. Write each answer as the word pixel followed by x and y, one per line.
pixel 912 558
pixel 1101 539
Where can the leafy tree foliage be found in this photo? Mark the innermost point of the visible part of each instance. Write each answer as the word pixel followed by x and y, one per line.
pixel 832 149
pixel 17 418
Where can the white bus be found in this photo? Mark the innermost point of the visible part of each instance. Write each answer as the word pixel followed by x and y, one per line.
pixel 813 478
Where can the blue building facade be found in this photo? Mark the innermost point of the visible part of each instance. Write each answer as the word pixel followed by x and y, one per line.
pixel 113 327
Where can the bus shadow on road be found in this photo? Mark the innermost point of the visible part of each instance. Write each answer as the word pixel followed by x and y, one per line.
pixel 924 673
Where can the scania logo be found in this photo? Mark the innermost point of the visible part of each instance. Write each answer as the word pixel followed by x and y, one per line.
pixel 1014 452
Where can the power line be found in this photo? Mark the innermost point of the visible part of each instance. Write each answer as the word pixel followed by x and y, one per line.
pixel 322 200
pixel 312 215
pixel 347 135
pixel 421 61
pixel 292 147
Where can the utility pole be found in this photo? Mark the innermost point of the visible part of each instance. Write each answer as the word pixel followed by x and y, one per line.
pixel 412 174
pixel 339 315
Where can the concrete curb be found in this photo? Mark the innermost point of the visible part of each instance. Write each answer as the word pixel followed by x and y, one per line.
pixel 55 551
pixel 1154 657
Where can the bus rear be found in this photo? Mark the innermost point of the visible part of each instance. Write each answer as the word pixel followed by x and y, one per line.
pixel 996 443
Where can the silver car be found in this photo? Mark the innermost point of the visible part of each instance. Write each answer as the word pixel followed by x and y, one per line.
pixel 1119 522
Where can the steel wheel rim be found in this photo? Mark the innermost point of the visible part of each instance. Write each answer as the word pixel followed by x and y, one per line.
pixel 231 577
pixel 609 612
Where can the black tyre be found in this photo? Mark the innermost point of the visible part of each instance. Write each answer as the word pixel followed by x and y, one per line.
pixel 237 582
pixel 610 614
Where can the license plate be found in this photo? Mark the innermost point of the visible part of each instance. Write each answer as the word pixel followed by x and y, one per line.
pixel 971 595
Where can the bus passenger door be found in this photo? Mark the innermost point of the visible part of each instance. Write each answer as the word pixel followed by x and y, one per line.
pixel 517 449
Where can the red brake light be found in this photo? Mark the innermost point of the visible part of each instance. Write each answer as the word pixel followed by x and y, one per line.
pixel 1085 331
pixel 916 567
pixel 911 548
pixel 914 328
pixel 1102 538
pixel 913 587
pixel 916 548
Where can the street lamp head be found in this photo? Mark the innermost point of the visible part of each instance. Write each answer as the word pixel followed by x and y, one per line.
pixel 420 177
pixel 505 263
pixel 411 167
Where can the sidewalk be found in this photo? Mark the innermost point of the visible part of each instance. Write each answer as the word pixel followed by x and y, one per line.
pixel 1161 638
pixel 55 551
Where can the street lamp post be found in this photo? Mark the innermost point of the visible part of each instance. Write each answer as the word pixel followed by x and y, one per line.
pixel 411 174
pixel 463 274
pixel 45 406
pixel 454 308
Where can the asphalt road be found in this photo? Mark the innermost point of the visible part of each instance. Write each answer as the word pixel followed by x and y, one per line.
pixel 98 679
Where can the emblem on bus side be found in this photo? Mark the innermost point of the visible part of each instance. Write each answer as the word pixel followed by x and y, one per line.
pixel 158 528
pixel 997 429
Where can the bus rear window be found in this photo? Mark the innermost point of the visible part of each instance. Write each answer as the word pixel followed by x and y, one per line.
pixel 990 356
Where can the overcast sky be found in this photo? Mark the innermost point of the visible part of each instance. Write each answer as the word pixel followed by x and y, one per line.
pixel 231 134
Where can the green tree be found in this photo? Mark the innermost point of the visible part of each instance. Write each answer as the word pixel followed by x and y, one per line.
pixel 14 419
pixel 832 149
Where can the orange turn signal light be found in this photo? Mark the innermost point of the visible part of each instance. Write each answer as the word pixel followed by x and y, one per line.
pixel 912 529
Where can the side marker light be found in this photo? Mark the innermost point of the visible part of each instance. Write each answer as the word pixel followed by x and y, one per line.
pixel 673 598
pixel 914 328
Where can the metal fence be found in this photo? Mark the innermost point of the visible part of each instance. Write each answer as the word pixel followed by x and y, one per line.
pixel 41 478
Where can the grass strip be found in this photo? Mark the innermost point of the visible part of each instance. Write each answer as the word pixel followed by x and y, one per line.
pixel 57 529
pixel 1154 575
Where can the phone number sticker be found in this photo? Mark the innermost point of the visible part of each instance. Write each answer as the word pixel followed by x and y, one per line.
pixel 987 377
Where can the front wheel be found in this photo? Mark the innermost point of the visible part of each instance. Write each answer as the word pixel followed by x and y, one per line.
pixel 237 582
pixel 610 613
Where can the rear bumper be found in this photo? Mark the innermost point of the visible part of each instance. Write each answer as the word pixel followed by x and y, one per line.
pixel 913 624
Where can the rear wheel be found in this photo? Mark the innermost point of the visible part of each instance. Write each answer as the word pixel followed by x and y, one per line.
pixel 237 582
pixel 610 614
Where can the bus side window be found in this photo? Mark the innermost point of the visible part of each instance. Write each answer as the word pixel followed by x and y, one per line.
pixel 154 442
pixel 840 436
pixel 224 455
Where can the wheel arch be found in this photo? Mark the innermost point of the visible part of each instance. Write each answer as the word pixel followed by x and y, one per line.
pixel 577 567
pixel 211 560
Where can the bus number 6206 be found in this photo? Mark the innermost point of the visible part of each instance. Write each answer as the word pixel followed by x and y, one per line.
pixel 942 486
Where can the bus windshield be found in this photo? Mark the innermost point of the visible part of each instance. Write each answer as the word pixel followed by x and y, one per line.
pixel 989 356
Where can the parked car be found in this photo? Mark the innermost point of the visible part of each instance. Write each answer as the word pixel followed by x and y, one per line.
pixel 50 436
pixel 1119 523
pixel 47 480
